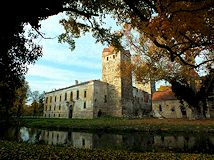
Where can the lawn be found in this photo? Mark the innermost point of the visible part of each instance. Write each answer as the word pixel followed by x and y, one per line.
pixel 123 124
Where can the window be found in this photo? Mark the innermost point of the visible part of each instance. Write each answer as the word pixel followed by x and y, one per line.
pixel 83 142
pixel 84 94
pixel 55 98
pixel 54 115
pixel 77 94
pixel 49 108
pixel 84 106
pixel 59 107
pixel 46 100
pixel 114 56
pixel 173 109
pixel 65 96
pixel 54 108
pixel 107 58
pixel 60 97
pixel 46 108
pixel 50 99
pixel 59 115
pixel 105 99
pixel 160 108
pixel 71 96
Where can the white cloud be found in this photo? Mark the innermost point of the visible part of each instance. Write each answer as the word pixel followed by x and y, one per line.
pixel 59 67
pixel 46 78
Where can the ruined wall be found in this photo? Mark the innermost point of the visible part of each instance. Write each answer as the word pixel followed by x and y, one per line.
pixel 141 102
pixel 148 87
pixel 171 109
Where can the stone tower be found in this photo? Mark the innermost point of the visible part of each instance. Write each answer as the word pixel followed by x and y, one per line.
pixel 115 72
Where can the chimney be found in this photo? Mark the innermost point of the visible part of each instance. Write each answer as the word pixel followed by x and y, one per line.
pixel 76 82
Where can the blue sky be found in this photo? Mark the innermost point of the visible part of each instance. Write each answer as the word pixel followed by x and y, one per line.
pixel 59 67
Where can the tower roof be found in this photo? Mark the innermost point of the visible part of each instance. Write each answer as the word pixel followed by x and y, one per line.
pixel 110 50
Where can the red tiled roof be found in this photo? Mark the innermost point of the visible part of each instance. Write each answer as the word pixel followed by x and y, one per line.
pixel 163 95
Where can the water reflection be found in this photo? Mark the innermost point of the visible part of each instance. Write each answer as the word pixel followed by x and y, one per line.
pixel 203 143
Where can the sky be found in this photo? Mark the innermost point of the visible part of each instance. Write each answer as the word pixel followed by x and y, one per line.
pixel 59 67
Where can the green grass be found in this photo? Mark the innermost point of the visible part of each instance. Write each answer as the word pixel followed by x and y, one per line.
pixel 13 150
pixel 122 124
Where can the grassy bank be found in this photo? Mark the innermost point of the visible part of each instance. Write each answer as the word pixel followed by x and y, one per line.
pixel 123 125
pixel 13 150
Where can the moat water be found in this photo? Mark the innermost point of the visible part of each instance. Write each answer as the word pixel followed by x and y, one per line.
pixel 138 142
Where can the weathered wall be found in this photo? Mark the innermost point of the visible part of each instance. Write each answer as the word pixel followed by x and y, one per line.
pixel 101 99
pixel 170 109
pixel 80 107
pixel 141 102
pixel 115 73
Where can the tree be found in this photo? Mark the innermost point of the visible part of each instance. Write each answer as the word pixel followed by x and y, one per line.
pixel 153 63
pixel 18 48
pixel 20 99
pixel 179 27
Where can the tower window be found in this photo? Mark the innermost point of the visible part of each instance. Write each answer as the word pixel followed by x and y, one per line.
pixel 105 99
pixel 50 99
pixel 59 107
pixel 114 56
pixel 160 108
pixel 85 94
pixel 84 105
pixel 107 58
pixel 55 98
pixel 60 97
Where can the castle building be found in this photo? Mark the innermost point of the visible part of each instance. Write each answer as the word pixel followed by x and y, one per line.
pixel 113 96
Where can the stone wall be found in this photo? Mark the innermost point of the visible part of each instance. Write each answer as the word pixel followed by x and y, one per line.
pixel 101 99
pixel 114 73
pixel 71 102
pixel 111 75
pixel 171 109
pixel 141 102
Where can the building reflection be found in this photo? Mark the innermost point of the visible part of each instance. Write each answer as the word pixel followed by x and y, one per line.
pixel 139 142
